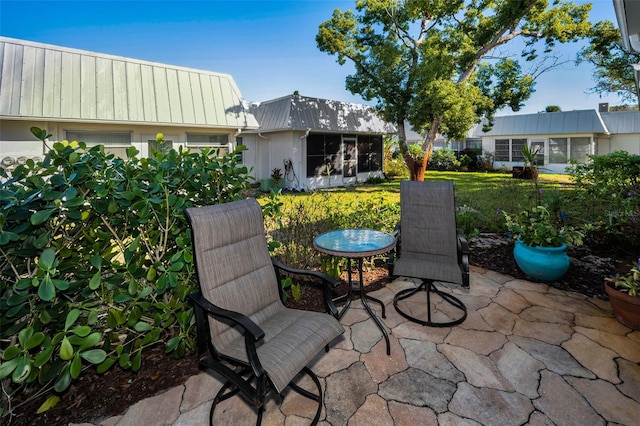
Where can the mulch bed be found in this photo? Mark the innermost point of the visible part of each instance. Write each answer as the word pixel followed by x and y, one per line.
pixel 95 396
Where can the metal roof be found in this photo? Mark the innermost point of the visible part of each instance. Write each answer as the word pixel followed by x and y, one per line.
pixel 622 121
pixel 295 112
pixel 41 81
pixel 548 123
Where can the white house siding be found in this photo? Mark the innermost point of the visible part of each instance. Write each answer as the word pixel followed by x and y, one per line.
pixel 626 142
pixel 13 143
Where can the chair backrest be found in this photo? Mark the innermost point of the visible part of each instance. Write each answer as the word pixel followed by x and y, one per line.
pixel 232 260
pixel 428 218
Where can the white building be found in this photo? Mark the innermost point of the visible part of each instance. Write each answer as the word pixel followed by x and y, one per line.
pixel 111 100
pixel 121 102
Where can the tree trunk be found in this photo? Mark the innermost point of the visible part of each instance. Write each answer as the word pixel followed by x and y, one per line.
pixel 416 167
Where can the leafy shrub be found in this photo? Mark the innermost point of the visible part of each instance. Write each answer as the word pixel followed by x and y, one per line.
pixel 96 258
pixel 395 167
pixel 307 216
pixel 608 190
pixel 444 159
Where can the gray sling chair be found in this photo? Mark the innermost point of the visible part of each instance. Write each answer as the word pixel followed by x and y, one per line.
pixel 430 248
pixel 244 332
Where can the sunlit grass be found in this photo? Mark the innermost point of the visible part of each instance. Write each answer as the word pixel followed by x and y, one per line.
pixel 480 197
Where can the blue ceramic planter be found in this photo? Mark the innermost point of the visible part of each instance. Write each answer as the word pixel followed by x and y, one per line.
pixel 543 263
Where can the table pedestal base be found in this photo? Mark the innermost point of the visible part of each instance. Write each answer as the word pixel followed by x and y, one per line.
pixel 364 297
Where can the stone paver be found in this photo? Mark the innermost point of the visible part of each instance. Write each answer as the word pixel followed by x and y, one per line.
pixel 526 354
pixel 490 406
pixel 563 404
pixel 519 368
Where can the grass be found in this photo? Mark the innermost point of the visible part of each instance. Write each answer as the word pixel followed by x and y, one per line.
pixel 479 199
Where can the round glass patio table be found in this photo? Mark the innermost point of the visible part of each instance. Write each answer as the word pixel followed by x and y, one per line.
pixel 357 243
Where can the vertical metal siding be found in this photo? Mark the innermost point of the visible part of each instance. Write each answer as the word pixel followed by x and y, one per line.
pixel 165 83
pixel 88 87
pixel 196 95
pixel 120 101
pixel 186 98
pixel 148 93
pixel 208 103
pixel 135 100
pixel 50 82
pixel 10 84
pixel 104 88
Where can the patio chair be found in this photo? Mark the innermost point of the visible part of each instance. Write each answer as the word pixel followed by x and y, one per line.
pixel 431 249
pixel 244 332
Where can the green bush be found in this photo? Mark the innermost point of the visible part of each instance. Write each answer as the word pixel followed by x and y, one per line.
pixel 306 216
pixel 444 159
pixel 608 191
pixel 96 258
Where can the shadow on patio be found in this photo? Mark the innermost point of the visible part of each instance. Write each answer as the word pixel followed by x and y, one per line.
pixel 527 353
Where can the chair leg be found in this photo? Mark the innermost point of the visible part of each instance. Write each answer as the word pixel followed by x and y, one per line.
pixel 229 389
pixel 310 395
pixel 430 287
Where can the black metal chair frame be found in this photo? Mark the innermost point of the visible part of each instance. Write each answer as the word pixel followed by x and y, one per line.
pixel 240 375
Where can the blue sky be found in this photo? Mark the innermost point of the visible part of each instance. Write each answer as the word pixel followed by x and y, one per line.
pixel 268 46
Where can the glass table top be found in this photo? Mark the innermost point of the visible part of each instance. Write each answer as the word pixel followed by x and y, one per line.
pixel 354 242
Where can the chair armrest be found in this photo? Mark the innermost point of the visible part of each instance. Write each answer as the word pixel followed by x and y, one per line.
pixel 324 277
pixel 243 321
pixel 327 282
pixel 252 332
pixel 463 256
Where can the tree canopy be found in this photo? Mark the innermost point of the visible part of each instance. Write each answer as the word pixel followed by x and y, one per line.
pixel 438 64
pixel 613 64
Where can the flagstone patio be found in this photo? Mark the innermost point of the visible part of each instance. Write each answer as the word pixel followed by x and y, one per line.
pixel 526 354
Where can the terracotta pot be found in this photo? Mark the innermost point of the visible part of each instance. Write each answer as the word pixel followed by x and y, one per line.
pixel 626 308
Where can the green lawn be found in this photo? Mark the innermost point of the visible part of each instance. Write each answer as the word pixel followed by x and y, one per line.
pixel 479 199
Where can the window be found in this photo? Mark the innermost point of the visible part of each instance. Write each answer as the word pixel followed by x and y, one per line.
pixel 516 149
pixel 324 155
pixel 558 150
pixel 502 150
pixel 115 143
pixel 580 148
pixel 219 141
pixel 539 158
pixel 239 142
pixel 475 144
pixel 369 154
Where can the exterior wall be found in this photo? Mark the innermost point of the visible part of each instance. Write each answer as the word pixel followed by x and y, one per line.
pixel 272 150
pixel 626 142
pixel 16 139
pixel 488 146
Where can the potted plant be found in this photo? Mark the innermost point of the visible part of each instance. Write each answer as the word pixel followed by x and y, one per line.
pixel 541 242
pixel 624 295
pixel 276 178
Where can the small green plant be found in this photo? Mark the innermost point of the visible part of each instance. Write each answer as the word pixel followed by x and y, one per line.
pixel 629 283
pixel 537 227
pixel 331 266
pixel 276 175
pixel 415 151
pixel 296 290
